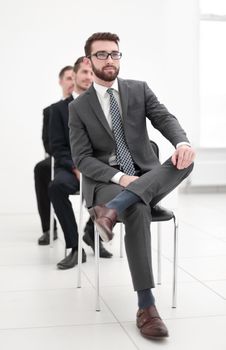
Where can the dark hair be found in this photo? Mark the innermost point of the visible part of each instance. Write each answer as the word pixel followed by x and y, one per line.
pixel 99 36
pixel 63 70
pixel 77 63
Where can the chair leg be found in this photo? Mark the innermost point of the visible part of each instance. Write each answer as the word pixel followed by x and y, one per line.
pixel 121 239
pixel 80 237
pixel 175 263
pixel 51 229
pixel 97 268
pixel 159 253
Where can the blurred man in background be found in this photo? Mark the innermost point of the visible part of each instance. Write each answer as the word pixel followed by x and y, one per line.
pixel 42 170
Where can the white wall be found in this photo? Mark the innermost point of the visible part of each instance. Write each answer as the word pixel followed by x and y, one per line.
pixel 159 44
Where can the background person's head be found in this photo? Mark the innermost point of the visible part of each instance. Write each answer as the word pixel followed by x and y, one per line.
pixel 103 51
pixel 83 75
pixel 66 81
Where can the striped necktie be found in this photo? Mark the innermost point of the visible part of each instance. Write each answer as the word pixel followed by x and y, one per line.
pixel 123 155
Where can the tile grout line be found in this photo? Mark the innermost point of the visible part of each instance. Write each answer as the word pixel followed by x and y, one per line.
pixel 59 326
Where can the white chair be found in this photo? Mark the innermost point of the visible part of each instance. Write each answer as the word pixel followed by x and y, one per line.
pixel 157 219
pixel 51 230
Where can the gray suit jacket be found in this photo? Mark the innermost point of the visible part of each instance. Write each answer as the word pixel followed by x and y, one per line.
pixel 92 141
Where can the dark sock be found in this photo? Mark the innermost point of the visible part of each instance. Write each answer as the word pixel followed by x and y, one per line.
pixel 73 249
pixel 122 201
pixel 145 298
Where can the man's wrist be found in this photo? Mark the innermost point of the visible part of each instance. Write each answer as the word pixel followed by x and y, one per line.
pixel 183 144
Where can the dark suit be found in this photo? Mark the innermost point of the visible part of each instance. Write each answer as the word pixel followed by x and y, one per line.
pixel 65 182
pixel 92 143
pixel 45 129
pixel 42 176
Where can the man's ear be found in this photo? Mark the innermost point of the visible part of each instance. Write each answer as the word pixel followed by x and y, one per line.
pixel 86 60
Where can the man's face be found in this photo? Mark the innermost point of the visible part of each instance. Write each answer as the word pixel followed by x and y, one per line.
pixel 83 77
pixel 108 69
pixel 67 83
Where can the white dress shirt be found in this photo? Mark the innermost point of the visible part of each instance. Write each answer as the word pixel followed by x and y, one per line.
pixel 104 99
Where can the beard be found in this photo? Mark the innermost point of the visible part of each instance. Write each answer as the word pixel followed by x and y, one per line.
pixel 105 75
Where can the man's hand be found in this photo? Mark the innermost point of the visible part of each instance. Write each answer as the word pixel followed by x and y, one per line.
pixel 77 173
pixel 183 157
pixel 125 180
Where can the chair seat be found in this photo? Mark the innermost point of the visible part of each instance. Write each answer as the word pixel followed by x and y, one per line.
pixel 158 214
pixel 161 214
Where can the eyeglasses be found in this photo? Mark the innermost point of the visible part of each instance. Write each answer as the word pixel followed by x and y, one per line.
pixel 103 55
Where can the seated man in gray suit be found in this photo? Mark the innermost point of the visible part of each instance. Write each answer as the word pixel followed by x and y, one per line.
pixel 111 148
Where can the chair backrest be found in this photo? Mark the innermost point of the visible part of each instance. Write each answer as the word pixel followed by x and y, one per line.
pixel 155 148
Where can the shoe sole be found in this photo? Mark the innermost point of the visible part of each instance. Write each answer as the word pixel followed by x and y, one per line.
pixel 103 233
pixel 100 229
pixel 155 338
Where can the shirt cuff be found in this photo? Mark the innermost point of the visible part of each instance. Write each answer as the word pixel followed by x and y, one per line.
pixel 183 143
pixel 116 178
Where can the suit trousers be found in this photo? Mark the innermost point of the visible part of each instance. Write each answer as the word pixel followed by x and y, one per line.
pixel 42 177
pixel 151 187
pixel 64 184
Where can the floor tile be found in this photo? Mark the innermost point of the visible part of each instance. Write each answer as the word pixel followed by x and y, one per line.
pixel 31 254
pixel 205 268
pixel 95 337
pixel 217 286
pixel 36 277
pixel 46 308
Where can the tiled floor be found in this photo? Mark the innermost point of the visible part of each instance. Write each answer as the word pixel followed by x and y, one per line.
pixel 41 308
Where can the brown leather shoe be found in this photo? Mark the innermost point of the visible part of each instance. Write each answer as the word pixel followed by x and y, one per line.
pixel 105 219
pixel 150 324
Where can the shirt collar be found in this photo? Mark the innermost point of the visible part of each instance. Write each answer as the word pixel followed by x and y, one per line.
pixel 75 94
pixel 102 89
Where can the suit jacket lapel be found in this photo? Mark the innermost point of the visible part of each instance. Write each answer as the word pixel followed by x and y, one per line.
pixel 96 107
pixel 64 107
pixel 123 92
